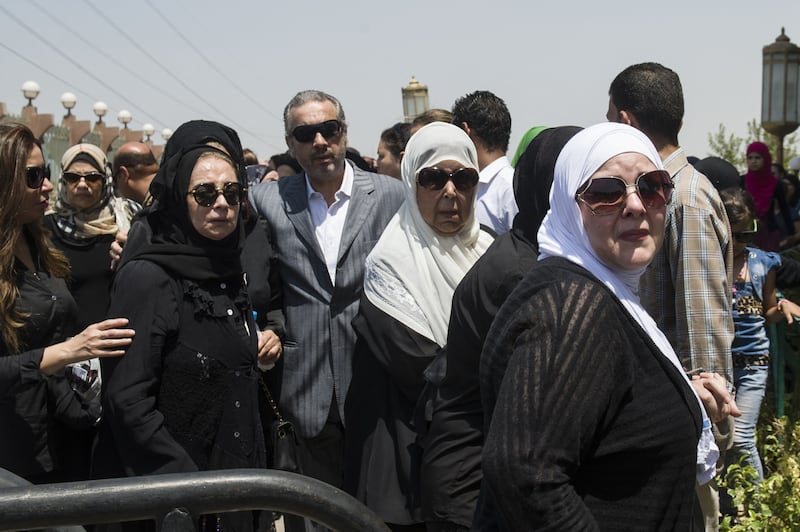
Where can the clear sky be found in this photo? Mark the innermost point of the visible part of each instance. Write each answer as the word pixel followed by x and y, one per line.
pixel 239 62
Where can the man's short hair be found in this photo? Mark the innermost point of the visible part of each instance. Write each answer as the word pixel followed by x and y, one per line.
pixel 487 116
pixel 652 93
pixel 131 159
pixel 302 98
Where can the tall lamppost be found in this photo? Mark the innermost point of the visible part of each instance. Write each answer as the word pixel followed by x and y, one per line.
pixel 780 90
pixel 166 133
pixel 415 99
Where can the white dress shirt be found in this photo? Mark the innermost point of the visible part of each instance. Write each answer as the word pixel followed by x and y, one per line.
pixel 495 206
pixel 329 221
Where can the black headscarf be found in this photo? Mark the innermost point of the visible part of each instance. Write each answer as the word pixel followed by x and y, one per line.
pixel 533 178
pixel 167 237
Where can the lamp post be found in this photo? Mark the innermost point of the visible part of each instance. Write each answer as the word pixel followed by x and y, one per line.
pixel 148 129
pixel 30 89
pixel 68 100
pixel 100 109
pixel 124 118
pixel 780 90
pixel 415 99
pixel 166 133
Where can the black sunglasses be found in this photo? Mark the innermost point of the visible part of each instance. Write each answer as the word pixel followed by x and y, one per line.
pixel 747 237
pixel 35 175
pixel 328 129
pixel 72 177
pixel 606 195
pixel 206 194
pixel 434 178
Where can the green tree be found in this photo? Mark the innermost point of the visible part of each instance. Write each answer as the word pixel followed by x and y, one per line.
pixel 732 147
pixel 727 146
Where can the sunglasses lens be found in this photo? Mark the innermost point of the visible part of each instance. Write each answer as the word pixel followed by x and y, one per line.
pixel 233 193
pixel 328 129
pixel 655 188
pixel 604 195
pixel 35 176
pixel 465 178
pixel 205 194
pixel 432 178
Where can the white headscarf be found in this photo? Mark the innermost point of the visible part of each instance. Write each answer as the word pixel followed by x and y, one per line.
pixel 412 271
pixel 562 234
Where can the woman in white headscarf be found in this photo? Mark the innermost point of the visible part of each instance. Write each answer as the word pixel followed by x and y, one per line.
pixel 410 277
pixel 595 425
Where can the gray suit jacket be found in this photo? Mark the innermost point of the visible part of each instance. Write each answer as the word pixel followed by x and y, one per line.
pixel 320 341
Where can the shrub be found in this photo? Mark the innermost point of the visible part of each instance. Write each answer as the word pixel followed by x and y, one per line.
pixel 774 504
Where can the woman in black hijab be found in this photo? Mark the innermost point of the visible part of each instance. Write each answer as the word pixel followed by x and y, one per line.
pixel 186 396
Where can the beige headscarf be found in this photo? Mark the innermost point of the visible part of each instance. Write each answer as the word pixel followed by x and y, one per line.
pixel 412 271
pixel 107 217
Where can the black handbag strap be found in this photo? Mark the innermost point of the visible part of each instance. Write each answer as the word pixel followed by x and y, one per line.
pixel 272 404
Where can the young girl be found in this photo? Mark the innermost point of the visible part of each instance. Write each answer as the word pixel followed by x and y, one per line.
pixel 755 304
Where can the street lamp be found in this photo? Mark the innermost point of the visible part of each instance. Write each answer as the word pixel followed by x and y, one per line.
pixel 30 89
pixel 166 133
pixel 100 109
pixel 415 99
pixel 780 90
pixel 124 117
pixel 148 129
pixel 68 100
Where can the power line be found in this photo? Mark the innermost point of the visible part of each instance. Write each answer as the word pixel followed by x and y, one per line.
pixel 103 53
pixel 171 74
pixel 36 65
pixel 191 45
pixel 69 59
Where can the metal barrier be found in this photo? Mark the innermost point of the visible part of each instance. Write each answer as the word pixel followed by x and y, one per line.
pixel 173 499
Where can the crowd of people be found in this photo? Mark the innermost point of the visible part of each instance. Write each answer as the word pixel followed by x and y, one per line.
pixel 572 339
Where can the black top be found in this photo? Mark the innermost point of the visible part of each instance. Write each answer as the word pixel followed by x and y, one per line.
pixel 451 472
pixel 30 402
pixel 184 396
pixel 90 272
pixel 592 427
pixel 382 457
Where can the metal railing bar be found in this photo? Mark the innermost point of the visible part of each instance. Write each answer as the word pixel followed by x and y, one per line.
pixel 151 497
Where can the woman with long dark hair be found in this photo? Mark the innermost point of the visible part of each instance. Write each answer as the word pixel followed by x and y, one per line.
pixel 38 318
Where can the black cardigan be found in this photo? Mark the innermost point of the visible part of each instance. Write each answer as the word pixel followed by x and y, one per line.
pixel 591 427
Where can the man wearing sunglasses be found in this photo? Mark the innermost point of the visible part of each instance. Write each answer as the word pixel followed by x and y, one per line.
pixel 485 118
pixel 687 287
pixel 324 222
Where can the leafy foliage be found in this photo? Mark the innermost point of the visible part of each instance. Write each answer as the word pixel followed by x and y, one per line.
pixel 774 504
pixel 732 148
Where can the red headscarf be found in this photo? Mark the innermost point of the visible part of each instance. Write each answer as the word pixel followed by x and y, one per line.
pixel 761 184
